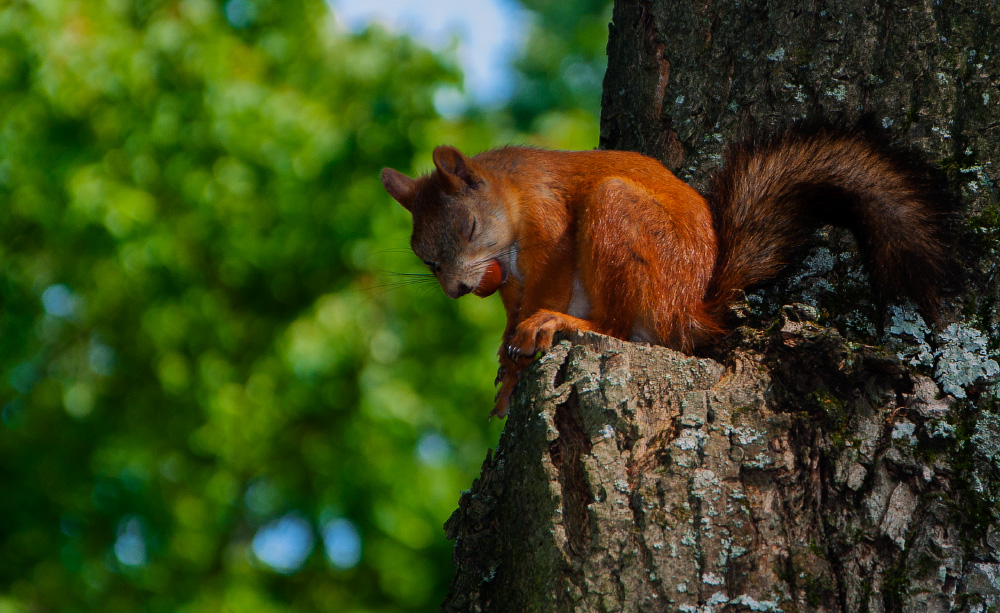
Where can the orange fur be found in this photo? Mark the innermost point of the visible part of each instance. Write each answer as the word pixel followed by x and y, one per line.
pixel 613 242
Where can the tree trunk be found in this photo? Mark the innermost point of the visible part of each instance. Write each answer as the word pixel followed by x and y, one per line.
pixel 845 459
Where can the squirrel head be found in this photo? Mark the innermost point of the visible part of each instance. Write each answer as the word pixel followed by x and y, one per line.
pixel 460 220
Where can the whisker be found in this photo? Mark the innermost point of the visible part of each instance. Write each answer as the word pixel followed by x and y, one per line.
pixel 509 250
pixel 413 275
pixel 421 275
pixel 426 290
pixel 388 250
pixel 377 291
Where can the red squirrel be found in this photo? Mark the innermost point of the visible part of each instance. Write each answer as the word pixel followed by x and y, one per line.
pixel 613 242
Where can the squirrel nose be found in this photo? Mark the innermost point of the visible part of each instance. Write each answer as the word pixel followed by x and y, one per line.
pixel 460 291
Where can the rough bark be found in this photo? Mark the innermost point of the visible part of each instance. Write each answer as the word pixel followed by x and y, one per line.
pixel 805 474
pixel 834 455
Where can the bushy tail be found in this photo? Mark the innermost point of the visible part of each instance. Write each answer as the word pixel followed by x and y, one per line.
pixel 771 195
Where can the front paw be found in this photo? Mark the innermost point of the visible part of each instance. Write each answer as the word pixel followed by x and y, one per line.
pixel 533 335
pixel 515 353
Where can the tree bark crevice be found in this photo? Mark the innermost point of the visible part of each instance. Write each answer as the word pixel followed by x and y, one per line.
pixel 821 487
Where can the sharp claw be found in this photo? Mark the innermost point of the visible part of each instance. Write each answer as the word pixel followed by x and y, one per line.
pixel 499 407
pixel 513 352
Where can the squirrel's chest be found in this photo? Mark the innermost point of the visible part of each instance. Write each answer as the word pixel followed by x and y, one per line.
pixel 579 302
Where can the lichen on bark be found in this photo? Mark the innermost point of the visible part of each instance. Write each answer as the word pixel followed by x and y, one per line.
pixel 828 464
pixel 805 474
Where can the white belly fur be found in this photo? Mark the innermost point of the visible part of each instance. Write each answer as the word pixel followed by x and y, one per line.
pixel 579 306
pixel 641 335
pixel 509 259
pixel 579 302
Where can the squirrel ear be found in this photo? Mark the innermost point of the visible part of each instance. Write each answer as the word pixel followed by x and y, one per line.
pixel 401 187
pixel 454 167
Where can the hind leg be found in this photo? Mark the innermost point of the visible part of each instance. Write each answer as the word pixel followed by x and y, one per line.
pixel 622 253
pixel 651 262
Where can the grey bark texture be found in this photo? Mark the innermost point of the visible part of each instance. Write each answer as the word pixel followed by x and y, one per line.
pixel 807 474
pixel 832 455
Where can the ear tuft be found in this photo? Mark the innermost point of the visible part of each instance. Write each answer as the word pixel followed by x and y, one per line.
pixel 401 187
pixel 454 167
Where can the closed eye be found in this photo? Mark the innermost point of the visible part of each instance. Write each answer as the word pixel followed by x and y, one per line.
pixel 472 231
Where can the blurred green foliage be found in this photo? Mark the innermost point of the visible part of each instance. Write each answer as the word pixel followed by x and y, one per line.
pixel 561 68
pixel 216 394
